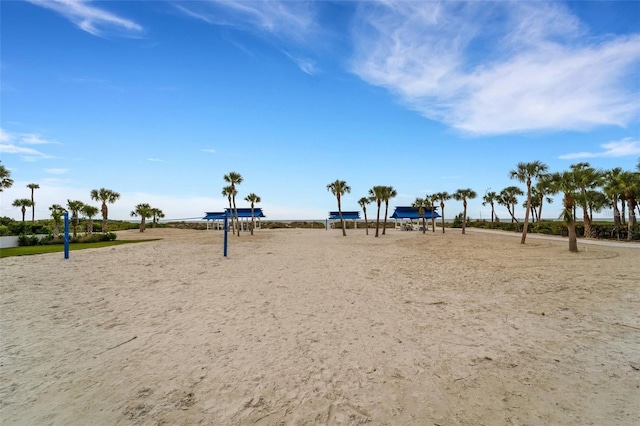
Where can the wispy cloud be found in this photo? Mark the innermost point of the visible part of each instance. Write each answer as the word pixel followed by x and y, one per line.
pixel 156 160
pixel 626 147
pixel 4 136
pixel 306 65
pixel 91 19
pixel 34 139
pixel 209 150
pixel 535 69
pixel 11 143
pixel 28 154
pixel 289 19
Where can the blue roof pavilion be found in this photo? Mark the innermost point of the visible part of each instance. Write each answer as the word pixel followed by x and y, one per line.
pixel 345 215
pixel 403 214
pixel 334 216
pixel 413 213
pixel 243 213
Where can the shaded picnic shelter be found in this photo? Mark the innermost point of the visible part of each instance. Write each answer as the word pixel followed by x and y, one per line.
pixel 215 220
pixel 335 216
pixel 405 216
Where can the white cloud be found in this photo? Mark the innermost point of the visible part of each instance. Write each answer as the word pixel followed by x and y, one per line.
pixel 156 160
pixel 534 70
pixel 93 20
pixel 5 136
pixel 28 154
pixel 11 143
pixel 626 147
pixel 306 65
pixel 290 19
pixel 209 150
pixel 33 139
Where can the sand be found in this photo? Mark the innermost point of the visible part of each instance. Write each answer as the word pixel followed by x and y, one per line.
pixel 306 327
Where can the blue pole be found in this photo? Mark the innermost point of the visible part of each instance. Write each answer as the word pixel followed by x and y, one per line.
pixel 66 235
pixel 226 229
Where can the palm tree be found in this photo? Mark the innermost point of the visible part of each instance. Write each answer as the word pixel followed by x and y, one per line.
pixel 421 204
pixel 89 212
pixel 56 213
pixel 508 198
pixel 144 211
pixel 253 199
pixel 432 200
pixel 33 187
pixel 376 194
pixel 542 190
pixel 464 195
pixel 490 197
pixel 538 196
pixel 363 204
pixel 23 203
pixel 229 192
pixel 630 183
pixel 156 214
pixel 5 178
pixel 613 189
pixel 388 194
pixel 339 188
pixel 105 196
pixel 586 178
pixel 524 173
pixel 565 182
pixel 441 197
pixel 74 207
pixel 234 178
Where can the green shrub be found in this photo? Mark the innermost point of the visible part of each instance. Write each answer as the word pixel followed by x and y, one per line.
pixel 457 221
pixel 28 240
pixel 4 230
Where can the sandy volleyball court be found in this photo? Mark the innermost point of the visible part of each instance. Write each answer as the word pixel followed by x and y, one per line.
pixel 306 327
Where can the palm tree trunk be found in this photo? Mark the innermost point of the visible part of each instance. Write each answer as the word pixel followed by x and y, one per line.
pixel 573 241
pixel 493 212
pixel 235 209
pixel 442 210
pixel 344 232
pixel 424 224
pixel 464 217
pixel 105 214
pixel 539 218
pixel 253 220
pixel 378 219
pixel 366 224
pixel 588 231
pixel 632 217
pixel 616 213
pixel 525 228
pixel 386 212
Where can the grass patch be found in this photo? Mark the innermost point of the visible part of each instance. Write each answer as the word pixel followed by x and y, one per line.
pixel 59 248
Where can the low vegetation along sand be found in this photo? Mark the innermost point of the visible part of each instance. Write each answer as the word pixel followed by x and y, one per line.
pixel 306 327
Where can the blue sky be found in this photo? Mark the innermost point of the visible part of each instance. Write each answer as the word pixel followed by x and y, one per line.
pixel 157 100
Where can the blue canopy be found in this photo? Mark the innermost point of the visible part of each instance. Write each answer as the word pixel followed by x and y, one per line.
pixel 345 215
pixel 242 212
pixel 413 213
